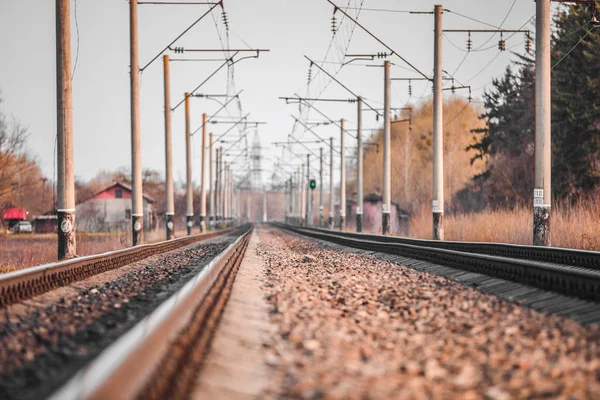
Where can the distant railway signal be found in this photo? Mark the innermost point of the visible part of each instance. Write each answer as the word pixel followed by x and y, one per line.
pixel 313 184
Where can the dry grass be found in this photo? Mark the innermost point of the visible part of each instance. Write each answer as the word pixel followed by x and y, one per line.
pixel 572 227
pixel 22 251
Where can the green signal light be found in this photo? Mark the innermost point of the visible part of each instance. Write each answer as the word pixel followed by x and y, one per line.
pixel 313 184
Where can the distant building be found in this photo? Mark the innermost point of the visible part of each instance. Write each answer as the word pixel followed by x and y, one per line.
pixel 373 206
pixel 47 223
pixel 11 216
pixel 109 210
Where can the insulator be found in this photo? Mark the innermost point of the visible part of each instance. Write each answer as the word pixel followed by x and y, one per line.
pixel 409 88
pixel 469 43
pixel 334 21
pixel 527 43
pixel 453 88
pixel 381 55
pixel 501 43
pixel 470 98
pixel 225 19
pixel 309 74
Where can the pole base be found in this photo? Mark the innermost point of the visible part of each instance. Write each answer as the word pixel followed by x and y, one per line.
pixel 541 226
pixel 321 220
pixel 66 235
pixel 385 223
pixel 438 226
pixel 170 227
pixel 190 224
pixel 331 223
pixel 202 224
pixel 342 222
pixel 137 230
pixel 359 222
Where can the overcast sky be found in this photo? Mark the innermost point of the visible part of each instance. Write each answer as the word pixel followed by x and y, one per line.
pixel 290 29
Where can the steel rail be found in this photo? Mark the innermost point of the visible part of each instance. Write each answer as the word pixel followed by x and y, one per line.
pixel 26 283
pixel 160 356
pixel 572 272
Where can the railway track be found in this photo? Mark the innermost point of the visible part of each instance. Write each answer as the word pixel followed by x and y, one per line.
pixel 24 284
pixel 574 273
pixel 59 317
pixel 170 343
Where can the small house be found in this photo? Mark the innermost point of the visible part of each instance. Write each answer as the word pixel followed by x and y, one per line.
pixel 109 210
pixel 12 216
pixel 47 223
pixel 372 216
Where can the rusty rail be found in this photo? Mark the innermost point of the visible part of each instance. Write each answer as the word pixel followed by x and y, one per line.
pixel 24 284
pixel 160 357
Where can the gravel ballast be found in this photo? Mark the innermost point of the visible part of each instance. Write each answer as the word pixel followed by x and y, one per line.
pixel 353 326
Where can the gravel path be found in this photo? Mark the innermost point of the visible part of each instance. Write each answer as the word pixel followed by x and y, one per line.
pixel 352 326
pixel 42 346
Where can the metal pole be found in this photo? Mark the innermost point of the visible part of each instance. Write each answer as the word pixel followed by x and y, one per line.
pixel 67 246
pixel 211 219
pixel 542 194
pixel 359 170
pixel 137 214
pixel 342 178
pixel 168 152
pixel 331 192
pixel 308 190
pixel 189 194
pixel 438 132
pixel 321 212
pixel 202 178
pixel 387 161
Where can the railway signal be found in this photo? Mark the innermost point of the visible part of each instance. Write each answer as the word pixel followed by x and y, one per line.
pixel 313 184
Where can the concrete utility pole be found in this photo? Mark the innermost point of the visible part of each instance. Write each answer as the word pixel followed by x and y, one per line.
pixel 343 178
pixel 302 197
pixel 137 197
pixel 265 205
pixel 168 152
pixel 321 211
pixel 438 132
pixel 202 178
pixel 67 246
pixel 211 219
pixel 221 202
pixel 216 188
pixel 189 194
pixel 308 191
pixel 387 160
pixel 331 193
pixel 359 170
pixel 226 193
pixel 542 194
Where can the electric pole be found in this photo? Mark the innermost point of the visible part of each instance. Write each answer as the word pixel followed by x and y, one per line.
pixel 226 193
pixel 137 197
pixel 221 205
pixel 67 246
pixel 308 191
pixel 343 178
pixel 265 205
pixel 217 183
pixel 168 151
pixel 202 178
pixel 331 193
pixel 359 169
pixel 189 195
pixel 302 198
pixel 321 212
pixel 542 190
pixel 438 132
pixel 387 161
pixel 211 218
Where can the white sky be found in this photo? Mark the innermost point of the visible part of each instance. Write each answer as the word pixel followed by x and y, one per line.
pixel 290 29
